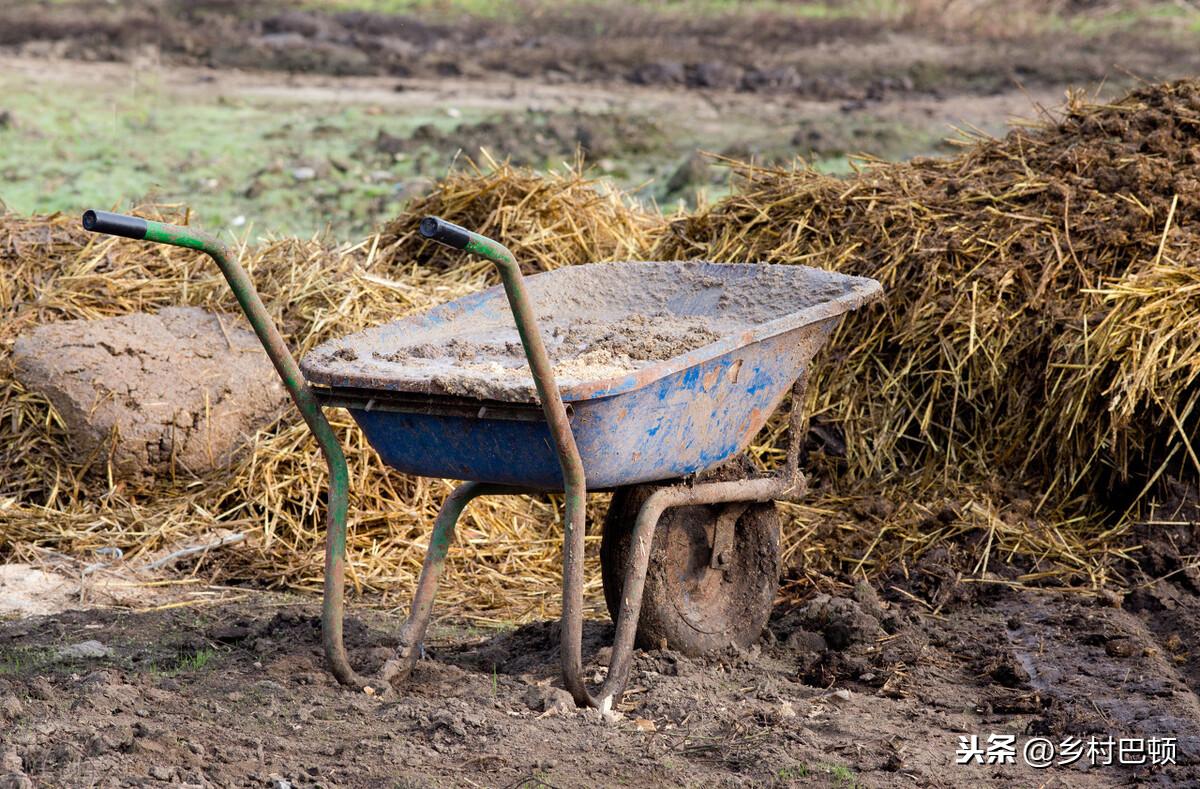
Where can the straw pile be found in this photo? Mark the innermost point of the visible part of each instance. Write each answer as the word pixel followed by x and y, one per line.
pixel 507 551
pixel 1040 318
pixel 1038 346
pixel 548 220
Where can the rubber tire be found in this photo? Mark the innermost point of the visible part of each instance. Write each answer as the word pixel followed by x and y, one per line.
pixel 698 610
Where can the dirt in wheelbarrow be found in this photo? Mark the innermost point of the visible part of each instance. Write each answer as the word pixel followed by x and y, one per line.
pixel 581 349
pixel 867 686
pixel 596 325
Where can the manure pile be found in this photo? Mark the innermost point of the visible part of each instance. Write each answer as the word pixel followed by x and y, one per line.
pixel 1031 375
pixel 1042 303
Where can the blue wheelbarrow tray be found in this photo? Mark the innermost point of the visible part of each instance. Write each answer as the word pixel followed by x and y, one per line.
pixel 666 369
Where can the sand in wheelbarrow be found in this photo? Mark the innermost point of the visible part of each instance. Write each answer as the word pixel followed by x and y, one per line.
pixel 598 323
pixel 582 348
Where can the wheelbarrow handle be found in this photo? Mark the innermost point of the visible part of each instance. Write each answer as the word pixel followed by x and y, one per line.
pixel 569 460
pixel 306 401
pixel 115 224
pixel 444 232
pixel 452 235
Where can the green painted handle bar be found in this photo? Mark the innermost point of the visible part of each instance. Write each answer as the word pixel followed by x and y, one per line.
pixel 302 395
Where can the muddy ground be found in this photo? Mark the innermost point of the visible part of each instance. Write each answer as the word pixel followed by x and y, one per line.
pixel 857 688
pixel 759 49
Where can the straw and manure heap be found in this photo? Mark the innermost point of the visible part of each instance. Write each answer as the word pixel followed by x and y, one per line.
pixel 1028 382
pixel 1041 302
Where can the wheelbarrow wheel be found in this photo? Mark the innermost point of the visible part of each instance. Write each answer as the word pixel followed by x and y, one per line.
pixel 688 605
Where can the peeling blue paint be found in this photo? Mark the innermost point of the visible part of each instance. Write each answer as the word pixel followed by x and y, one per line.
pixel 668 428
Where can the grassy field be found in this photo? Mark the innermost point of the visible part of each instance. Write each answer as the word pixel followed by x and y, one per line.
pixel 272 166
pixel 289 168
pixel 999 19
pixel 281 162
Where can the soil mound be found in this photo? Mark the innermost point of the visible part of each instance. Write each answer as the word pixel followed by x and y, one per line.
pixel 181 390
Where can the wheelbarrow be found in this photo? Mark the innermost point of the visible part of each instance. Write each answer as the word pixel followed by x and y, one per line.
pixel 690 548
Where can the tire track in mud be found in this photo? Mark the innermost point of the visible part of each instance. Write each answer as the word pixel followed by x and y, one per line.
pixel 1106 671
pixel 1172 617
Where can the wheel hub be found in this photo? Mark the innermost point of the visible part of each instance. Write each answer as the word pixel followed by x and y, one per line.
pixel 696 588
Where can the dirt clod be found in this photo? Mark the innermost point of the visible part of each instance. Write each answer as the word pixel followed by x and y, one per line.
pixel 1007 671
pixel 1120 648
pixel 178 391
pixel 162 773
pixel 864 594
pixel 841 621
pixel 10 707
pixel 544 698
pixel 806 641
pixel 15 781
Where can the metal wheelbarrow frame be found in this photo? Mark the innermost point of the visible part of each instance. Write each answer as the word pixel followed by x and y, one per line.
pixel 786 484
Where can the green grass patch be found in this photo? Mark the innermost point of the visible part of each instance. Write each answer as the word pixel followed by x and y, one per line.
pixel 186 661
pixel 282 168
pixel 803 774
pixel 196 661
pixel 791 773
pixel 266 166
pixel 25 660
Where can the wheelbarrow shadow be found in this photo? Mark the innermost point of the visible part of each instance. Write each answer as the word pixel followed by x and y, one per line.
pixel 528 649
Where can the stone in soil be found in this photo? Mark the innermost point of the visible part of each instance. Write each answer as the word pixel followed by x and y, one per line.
pixel 179 391
pixel 84 650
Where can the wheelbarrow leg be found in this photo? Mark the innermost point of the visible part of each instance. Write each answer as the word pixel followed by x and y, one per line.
pixel 762 489
pixel 571 636
pixel 412 634
pixel 332 608
pixel 789 484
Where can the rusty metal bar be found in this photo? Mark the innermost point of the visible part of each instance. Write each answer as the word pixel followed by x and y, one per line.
pixel 574 484
pixel 722 536
pixel 412 634
pixel 285 365
pixel 797 426
pixel 781 486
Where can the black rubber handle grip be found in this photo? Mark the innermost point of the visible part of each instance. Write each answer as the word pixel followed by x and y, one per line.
pixel 114 224
pixel 445 232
